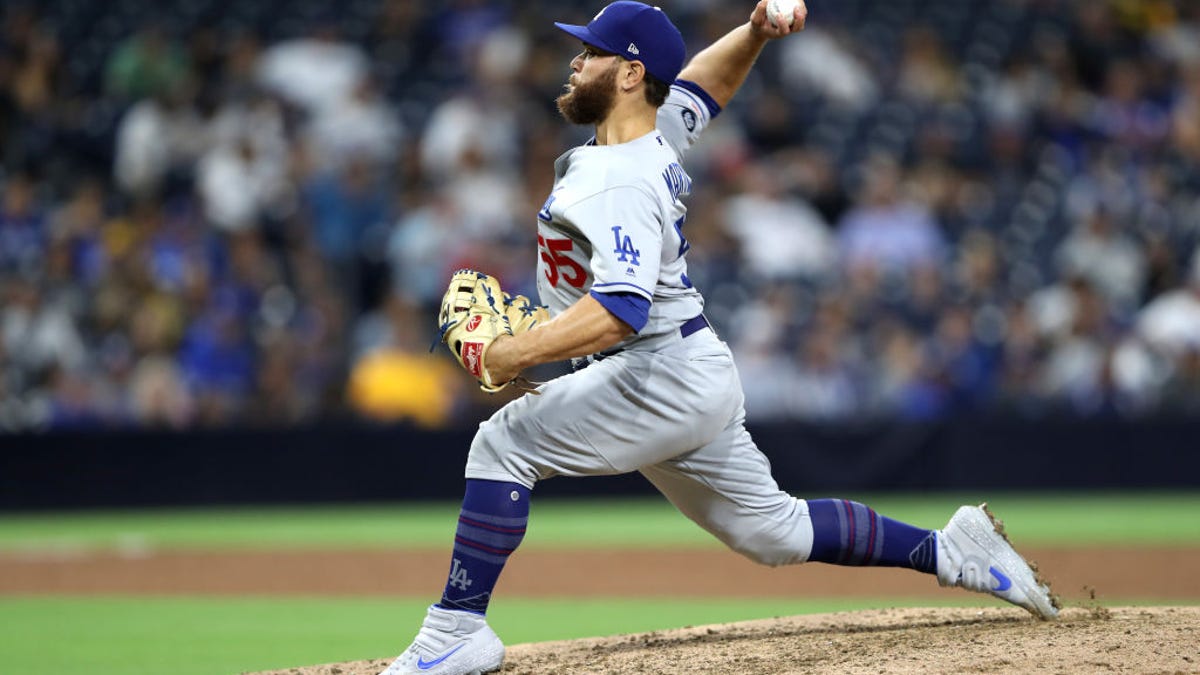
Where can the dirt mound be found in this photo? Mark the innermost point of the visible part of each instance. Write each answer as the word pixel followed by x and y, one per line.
pixel 925 641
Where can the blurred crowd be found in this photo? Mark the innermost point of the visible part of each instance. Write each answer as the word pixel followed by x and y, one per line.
pixel 220 212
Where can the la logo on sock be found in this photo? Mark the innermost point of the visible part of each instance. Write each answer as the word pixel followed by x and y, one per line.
pixel 458 576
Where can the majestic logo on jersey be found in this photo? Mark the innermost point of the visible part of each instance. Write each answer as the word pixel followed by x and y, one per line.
pixel 689 119
pixel 677 180
pixel 458 576
pixel 544 214
pixel 472 353
pixel 474 322
pixel 632 49
pixel 624 247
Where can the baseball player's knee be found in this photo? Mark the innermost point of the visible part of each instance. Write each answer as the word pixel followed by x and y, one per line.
pixel 773 547
pixel 490 458
pixel 775 536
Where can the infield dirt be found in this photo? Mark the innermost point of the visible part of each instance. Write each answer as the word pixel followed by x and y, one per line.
pixel 925 641
pixel 1159 574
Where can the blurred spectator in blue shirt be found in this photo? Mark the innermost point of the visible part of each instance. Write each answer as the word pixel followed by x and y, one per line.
pixel 885 231
pixel 22 226
pixel 218 362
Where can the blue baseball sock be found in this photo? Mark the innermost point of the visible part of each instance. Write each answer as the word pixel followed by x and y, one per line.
pixel 490 527
pixel 849 533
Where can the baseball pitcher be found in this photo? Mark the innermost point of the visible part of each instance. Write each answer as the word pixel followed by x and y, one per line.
pixel 655 390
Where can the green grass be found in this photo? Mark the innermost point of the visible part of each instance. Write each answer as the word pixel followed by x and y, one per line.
pixel 1134 519
pixel 215 636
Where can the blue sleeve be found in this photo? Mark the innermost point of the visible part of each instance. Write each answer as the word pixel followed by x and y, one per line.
pixel 713 108
pixel 631 308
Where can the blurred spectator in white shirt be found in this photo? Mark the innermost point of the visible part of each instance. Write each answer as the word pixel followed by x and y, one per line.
pixel 1171 322
pixel 1161 349
pixel 314 73
pixel 1111 261
pixel 361 126
pixel 483 118
pixel 1075 364
pixel 38 334
pixel 238 185
pixel 781 237
pixel 155 137
pixel 822 61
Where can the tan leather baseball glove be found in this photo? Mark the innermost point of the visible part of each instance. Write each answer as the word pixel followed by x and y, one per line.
pixel 475 312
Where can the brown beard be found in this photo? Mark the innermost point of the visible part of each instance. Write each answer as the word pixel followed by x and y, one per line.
pixel 590 103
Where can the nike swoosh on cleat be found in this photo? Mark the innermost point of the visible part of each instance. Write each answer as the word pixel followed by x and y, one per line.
pixel 1005 582
pixel 426 665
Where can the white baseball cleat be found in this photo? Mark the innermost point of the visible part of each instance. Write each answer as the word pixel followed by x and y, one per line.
pixel 450 643
pixel 974 553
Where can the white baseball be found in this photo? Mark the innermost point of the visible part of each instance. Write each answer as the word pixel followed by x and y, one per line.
pixel 785 8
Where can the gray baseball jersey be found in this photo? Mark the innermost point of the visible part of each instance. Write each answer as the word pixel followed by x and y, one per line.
pixel 614 221
pixel 663 403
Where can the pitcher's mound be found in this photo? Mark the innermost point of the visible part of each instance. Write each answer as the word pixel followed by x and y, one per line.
pixel 924 641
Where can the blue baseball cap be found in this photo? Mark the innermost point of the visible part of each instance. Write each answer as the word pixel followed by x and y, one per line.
pixel 637 32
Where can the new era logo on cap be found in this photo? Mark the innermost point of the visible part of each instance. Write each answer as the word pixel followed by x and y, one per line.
pixel 649 34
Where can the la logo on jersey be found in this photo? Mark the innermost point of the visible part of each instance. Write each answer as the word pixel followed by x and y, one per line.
pixel 458 576
pixel 624 247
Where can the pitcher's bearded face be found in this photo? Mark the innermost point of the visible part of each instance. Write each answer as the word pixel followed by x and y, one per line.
pixel 589 102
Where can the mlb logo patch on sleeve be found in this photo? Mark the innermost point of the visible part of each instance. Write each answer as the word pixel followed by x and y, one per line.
pixel 689 119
